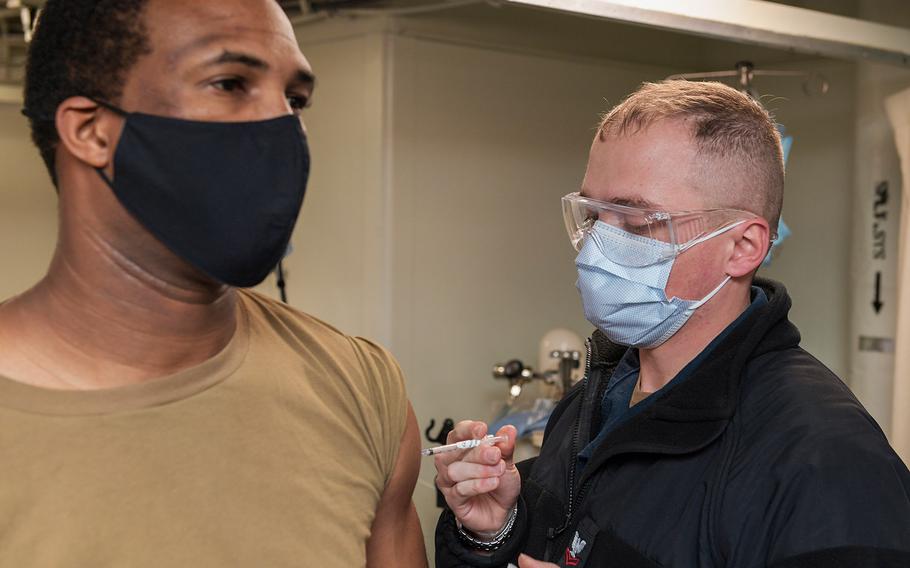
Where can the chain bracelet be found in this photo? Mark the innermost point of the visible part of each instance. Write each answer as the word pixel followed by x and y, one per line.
pixel 496 540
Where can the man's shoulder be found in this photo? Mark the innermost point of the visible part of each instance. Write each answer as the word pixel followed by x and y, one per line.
pixel 275 314
pixel 795 411
pixel 798 388
pixel 312 338
pixel 340 377
pixel 808 455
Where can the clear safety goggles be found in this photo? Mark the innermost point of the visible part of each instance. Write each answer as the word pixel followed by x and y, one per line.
pixel 665 234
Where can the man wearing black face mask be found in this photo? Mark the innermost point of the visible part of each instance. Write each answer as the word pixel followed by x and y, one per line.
pixel 151 413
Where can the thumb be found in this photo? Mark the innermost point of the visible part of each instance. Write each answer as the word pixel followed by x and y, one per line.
pixel 508 447
pixel 525 561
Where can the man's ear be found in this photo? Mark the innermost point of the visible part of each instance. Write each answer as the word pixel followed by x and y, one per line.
pixel 86 132
pixel 752 240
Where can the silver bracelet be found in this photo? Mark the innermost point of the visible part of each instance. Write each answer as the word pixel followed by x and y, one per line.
pixel 496 540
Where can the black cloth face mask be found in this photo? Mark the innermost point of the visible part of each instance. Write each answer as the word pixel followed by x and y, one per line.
pixel 223 196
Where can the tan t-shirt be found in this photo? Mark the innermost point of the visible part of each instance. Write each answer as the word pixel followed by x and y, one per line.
pixel 273 453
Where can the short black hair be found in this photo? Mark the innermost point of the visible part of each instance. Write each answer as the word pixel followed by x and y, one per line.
pixel 80 47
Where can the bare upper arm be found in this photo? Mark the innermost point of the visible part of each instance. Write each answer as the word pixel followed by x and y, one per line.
pixel 396 538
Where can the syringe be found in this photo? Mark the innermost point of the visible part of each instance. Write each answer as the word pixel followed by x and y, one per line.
pixel 462 445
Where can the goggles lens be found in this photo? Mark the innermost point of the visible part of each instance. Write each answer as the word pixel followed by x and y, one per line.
pixel 669 232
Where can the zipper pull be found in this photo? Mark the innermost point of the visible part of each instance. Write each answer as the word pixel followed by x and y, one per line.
pixel 554 532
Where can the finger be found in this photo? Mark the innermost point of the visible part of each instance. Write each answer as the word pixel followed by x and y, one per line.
pixel 507 446
pixel 467 430
pixel 463 471
pixel 485 454
pixel 467 490
pixel 525 561
pixel 475 460
pixel 464 430
pixel 443 461
pixel 443 481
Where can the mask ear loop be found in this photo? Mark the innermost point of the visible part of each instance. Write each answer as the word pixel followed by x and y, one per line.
pixel 118 111
pixel 670 332
pixel 711 294
pixel 41 117
pixel 711 235
pixel 106 105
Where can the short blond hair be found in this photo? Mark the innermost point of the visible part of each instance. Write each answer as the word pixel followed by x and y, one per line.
pixel 734 134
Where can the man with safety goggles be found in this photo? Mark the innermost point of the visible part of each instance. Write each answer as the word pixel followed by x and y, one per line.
pixel 623 248
pixel 702 435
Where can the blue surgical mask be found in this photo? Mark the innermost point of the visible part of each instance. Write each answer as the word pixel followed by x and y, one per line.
pixel 629 303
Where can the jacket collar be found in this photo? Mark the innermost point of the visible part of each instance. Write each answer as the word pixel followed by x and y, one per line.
pixel 693 413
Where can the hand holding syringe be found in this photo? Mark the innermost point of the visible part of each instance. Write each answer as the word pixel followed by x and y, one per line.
pixel 462 445
pixel 480 483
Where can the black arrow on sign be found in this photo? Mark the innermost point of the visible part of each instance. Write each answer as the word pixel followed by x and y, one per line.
pixel 877 302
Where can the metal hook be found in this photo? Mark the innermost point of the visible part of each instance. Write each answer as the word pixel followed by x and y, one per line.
pixel 814 84
pixel 447 426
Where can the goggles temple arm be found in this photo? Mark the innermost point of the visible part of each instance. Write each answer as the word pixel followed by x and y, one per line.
pixel 711 235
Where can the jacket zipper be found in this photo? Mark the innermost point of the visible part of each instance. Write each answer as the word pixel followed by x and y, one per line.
pixel 553 533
